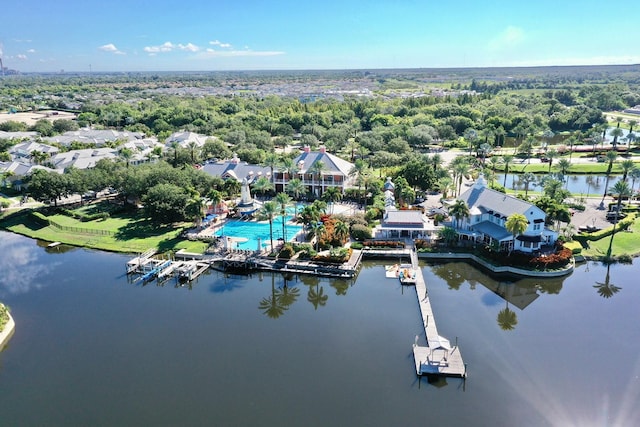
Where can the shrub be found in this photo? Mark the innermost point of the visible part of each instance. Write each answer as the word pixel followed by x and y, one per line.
pixel 286 252
pixel 360 232
pixel 335 256
pixel 4 316
pixel 356 245
pixel 383 244
pixel 305 251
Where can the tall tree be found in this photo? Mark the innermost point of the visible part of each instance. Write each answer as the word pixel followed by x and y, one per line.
pixel 506 160
pixel 611 157
pixel 283 200
pixel 268 211
pixel 459 210
pixel 516 224
pixel 620 190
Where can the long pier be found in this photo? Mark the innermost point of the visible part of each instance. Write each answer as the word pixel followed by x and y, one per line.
pixel 438 357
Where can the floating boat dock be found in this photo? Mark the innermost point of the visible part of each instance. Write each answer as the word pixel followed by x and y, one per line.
pixel 438 357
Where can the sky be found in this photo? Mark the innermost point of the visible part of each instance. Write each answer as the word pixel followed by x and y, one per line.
pixel 211 35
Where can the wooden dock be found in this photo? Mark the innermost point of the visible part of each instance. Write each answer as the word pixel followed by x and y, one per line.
pixel 438 357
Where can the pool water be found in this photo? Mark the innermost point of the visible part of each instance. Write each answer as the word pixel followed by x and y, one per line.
pixel 254 231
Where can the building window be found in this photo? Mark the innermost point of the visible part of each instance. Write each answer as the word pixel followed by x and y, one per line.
pixel 536 226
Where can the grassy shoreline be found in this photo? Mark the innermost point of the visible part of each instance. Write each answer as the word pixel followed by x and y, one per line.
pixel 124 234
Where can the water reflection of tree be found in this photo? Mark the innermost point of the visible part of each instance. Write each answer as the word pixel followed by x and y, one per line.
pixel 607 289
pixel 340 286
pixel 280 299
pixel 507 319
pixel 315 295
pixel 452 273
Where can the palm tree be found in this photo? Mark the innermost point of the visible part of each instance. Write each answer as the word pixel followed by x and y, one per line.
pixel 617 132
pixel 445 185
pixel 632 124
pixel 332 195
pixel 295 188
pixel 283 200
pixel 459 210
pixel 621 189
pixel 552 154
pixel 269 211
pixel 631 138
pixel 564 166
pixel 626 166
pixel 494 161
pixel 215 197
pixel 516 224
pixel 317 231
pixel 460 169
pixel 634 173
pixel 506 160
pixel 272 161
pixel 262 185
pixel 611 157
pixel 126 155
pixel 316 170
pixel 607 289
pixel 527 179
pixel 341 230
pixel 436 161
pixel 288 295
pixel 358 169
pixel 193 151
pixel 232 187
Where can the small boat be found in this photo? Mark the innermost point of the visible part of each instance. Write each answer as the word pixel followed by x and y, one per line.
pixel 53 245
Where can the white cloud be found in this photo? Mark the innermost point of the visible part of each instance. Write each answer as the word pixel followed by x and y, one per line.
pixel 31 51
pixel 212 53
pixel 21 57
pixel 168 47
pixel 111 48
pixel 510 37
pixel 220 44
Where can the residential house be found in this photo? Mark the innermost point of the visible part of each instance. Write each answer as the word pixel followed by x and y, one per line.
pixel 183 139
pixel 13 173
pixel 98 137
pixel 237 169
pixel 488 213
pixel 82 159
pixel 24 151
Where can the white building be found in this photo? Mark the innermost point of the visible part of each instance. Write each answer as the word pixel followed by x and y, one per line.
pixel 488 213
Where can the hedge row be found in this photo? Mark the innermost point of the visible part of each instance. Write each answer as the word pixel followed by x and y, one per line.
pixel 621 225
pixel 84 217
pixel 383 244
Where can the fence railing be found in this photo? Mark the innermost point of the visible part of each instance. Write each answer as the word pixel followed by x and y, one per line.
pixel 50 222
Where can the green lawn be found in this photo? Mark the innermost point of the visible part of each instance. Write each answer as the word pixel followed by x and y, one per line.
pixel 128 233
pixel 624 243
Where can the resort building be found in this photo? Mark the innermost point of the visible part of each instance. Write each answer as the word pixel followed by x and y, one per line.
pixel 318 170
pixel 488 213
pixel 410 223
pixel 25 150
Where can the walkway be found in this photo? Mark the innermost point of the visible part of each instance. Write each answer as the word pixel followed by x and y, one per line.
pixel 438 357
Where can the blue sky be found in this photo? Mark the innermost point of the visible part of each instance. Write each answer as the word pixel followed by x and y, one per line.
pixel 158 35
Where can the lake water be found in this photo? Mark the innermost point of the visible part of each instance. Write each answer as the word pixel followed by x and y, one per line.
pixel 576 184
pixel 92 348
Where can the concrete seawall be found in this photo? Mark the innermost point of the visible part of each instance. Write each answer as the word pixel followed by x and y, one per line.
pixel 496 268
pixel 7 332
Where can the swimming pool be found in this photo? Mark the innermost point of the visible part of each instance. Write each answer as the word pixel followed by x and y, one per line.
pixel 254 231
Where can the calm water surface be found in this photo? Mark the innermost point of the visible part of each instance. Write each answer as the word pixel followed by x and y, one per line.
pixel 91 348
pixel 576 184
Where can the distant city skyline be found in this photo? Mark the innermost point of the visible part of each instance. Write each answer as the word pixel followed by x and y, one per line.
pixel 162 35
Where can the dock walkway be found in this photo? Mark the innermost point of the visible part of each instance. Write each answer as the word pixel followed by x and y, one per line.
pixel 438 357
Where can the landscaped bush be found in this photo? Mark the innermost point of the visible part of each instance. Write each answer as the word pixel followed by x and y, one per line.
pixel 305 251
pixel 356 245
pixel 551 261
pixel 286 252
pixel 4 316
pixel 335 256
pixel 372 214
pixel 623 224
pixel 380 244
pixel 360 232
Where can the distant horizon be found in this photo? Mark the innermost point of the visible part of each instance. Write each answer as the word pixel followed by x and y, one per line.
pixel 518 67
pixel 165 35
